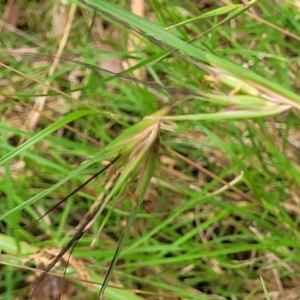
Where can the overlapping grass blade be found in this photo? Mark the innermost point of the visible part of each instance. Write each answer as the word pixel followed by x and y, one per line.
pixel 227 68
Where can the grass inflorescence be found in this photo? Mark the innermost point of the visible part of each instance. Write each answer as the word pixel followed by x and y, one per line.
pixel 152 156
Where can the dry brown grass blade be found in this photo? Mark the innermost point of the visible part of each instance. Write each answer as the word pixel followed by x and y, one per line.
pixel 10 16
pixel 133 41
pixel 46 85
pixel 83 227
pixel 211 175
pixel 74 130
pixel 34 115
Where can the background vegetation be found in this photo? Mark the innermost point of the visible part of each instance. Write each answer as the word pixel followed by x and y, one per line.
pixel 198 201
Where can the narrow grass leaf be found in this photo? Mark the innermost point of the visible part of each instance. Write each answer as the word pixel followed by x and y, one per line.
pixel 164 37
pixel 214 13
pixel 47 131
pixel 264 288
pixel 9 245
pixel 41 195
pixel 231 114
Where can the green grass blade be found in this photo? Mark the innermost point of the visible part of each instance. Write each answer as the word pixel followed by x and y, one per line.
pixel 160 34
pixel 47 131
pixel 216 12
pixel 231 115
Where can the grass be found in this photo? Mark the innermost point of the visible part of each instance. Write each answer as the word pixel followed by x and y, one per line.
pixel 196 146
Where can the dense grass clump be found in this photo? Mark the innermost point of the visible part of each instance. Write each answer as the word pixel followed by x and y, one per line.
pixel 149 151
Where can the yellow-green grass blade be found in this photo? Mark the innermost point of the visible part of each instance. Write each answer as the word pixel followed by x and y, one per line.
pixel 164 37
pixel 232 114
